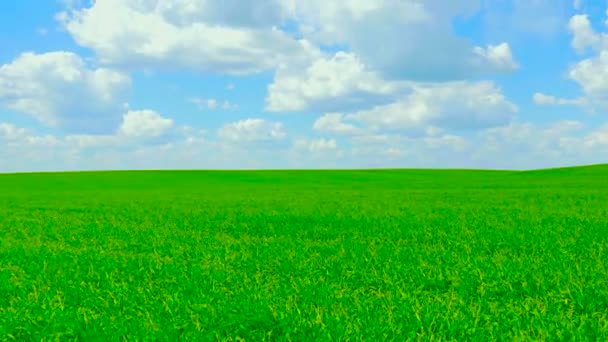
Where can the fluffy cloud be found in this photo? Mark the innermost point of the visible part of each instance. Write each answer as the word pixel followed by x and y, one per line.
pixel 590 73
pixel 315 145
pixel 137 127
pixel 598 139
pixel 496 57
pixel 80 142
pixel 144 123
pixel 59 90
pixel 10 132
pixel 252 130
pixel 339 82
pixel 211 104
pixel 543 99
pixel 333 123
pixel 458 105
pixel 516 133
pixel 401 39
pixel 584 36
pixel 231 37
pixel 561 143
pixel 239 37
pixel 558 143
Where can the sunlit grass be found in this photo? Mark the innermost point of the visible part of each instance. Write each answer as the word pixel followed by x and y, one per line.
pixel 305 255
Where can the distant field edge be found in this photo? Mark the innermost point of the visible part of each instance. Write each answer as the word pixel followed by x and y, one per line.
pixel 590 167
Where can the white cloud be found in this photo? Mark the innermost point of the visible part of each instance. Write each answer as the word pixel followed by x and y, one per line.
pixel 457 105
pixel 555 143
pixel 137 127
pixel 584 36
pixel 331 83
pixel 516 145
pixel 333 123
pixel 88 141
pixel 414 36
pixel 592 75
pixel 497 57
pixel 231 37
pixel 59 90
pixel 203 103
pixel 212 104
pixel 252 130
pixel 315 145
pixel 144 123
pixel 543 99
pixel 10 132
pixel 597 139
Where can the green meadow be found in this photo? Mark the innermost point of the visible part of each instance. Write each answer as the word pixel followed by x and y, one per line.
pixel 367 255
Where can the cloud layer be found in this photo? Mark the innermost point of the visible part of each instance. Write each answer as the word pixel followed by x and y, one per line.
pixel 288 83
pixel 59 90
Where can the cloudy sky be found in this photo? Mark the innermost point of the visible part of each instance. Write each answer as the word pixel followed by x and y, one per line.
pixel 208 84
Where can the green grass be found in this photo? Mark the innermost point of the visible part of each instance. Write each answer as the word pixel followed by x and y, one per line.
pixel 305 255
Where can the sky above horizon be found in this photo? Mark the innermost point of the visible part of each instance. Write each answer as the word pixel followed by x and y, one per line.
pixel 266 84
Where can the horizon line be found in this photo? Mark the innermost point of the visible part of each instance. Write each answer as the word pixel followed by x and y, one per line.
pixel 303 169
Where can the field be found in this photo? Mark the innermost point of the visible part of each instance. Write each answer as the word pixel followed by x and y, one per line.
pixel 373 255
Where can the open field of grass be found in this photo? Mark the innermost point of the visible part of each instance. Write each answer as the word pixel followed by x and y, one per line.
pixel 305 255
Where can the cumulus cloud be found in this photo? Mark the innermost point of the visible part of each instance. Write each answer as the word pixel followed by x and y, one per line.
pixel 138 128
pixel 315 145
pixel 252 130
pixel 333 123
pixel 80 142
pixel 230 37
pixel 237 37
pixel 584 36
pixel 561 143
pixel 558 143
pixel 144 123
pixel 457 105
pixel 59 90
pixel 597 138
pixel 541 142
pixel 590 73
pixel 543 99
pixel 496 57
pixel 331 83
pixel 400 39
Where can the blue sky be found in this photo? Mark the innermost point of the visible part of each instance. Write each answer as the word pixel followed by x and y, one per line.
pixel 233 84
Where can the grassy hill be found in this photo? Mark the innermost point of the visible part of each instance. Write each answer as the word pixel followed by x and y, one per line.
pixel 305 255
